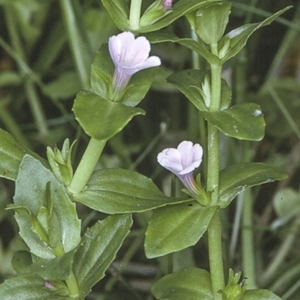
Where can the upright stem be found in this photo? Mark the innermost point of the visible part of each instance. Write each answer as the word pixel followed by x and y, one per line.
pixel 86 165
pixel 214 229
pixel 135 14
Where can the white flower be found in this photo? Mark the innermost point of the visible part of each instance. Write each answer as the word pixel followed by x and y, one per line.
pixel 182 162
pixel 129 55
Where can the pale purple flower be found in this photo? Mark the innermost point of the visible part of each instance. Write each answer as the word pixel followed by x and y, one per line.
pixel 182 162
pixel 129 55
pixel 167 4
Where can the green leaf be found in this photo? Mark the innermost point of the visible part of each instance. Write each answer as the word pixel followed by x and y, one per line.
pixel 55 269
pixel 259 294
pixel 101 118
pixel 242 121
pixel 98 249
pixel 197 46
pixel 21 261
pixel 122 191
pixel 286 204
pixel 28 286
pixel 236 178
pixel 238 37
pixel 176 227
pixel 188 82
pixel 64 225
pixel 11 154
pixel 179 9
pixel 191 284
pixel 211 21
pixel 119 12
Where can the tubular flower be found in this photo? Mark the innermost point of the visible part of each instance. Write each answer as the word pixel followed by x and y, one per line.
pixel 167 4
pixel 182 162
pixel 129 55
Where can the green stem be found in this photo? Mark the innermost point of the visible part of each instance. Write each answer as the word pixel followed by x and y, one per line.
pixel 135 14
pixel 247 240
pixel 213 162
pixel 87 165
pixel 215 256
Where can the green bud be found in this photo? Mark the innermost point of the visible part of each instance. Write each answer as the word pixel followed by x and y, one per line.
pixel 154 13
pixel 233 290
pixel 60 162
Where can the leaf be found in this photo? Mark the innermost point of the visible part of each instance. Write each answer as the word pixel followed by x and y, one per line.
pixel 176 227
pixel 236 178
pixel 98 249
pixel 199 47
pixel 191 284
pixel 102 76
pixel 28 286
pixel 31 183
pixel 55 269
pixel 21 261
pixel 242 121
pixel 259 294
pixel 122 191
pixel 188 82
pixel 238 37
pixel 179 9
pixel 119 12
pixel 101 118
pixel 11 154
pixel 211 21
pixel 286 204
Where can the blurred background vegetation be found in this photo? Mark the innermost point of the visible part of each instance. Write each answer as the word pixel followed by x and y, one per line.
pixel 47 47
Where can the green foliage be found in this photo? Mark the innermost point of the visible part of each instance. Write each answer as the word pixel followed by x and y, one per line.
pixel 236 178
pixel 11 154
pixel 134 192
pixel 192 284
pixel 242 121
pixel 98 249
pixel 176 227
pixel 100 118
pixel 210 21
pixel 46 216
pixel 28 286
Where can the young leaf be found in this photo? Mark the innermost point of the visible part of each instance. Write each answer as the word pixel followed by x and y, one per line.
pixel 64 226
pixel 260 294
pixel 242 121
pixel 119 12
pixel 189 82
pixel 28 286
pixel 191 284
pixel 238 37
pixel 122 191
pixel 211 21
pixel 101 118
pixel 236 178
pixel 98 249
pixel 179 9
pixel 176 227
